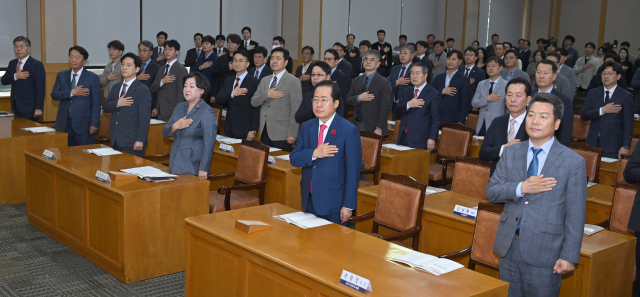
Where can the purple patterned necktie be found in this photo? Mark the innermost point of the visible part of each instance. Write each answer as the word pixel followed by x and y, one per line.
pixel 274 83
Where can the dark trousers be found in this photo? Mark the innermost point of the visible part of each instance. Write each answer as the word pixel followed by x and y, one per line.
pixel 483 130
pixel 28 115
pixel 129 150
pixel 74 139
pixel 402 138
pixel 637 288
pixel 281 144
pixel 334 217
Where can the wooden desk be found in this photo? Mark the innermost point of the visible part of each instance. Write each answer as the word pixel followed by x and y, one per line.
pixel 474 150
pixel 606 260
pixel 414 163
pixel 13 142
pixel 156 143
pixel 291 261
pixel 5 102
pixel 599 199
pixel 636 126
pixel 608 173
pixel 132 229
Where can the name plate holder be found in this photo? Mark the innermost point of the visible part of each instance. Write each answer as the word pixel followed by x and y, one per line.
pixel 103 177
pixel 49 155
pixel 355 282
pixel 249 226
pixel 226 148
pixel 465 212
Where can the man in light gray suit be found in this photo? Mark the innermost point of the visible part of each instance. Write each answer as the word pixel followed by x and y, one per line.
pixel 111 74
pixel 168 82
pixel 438 58
pixel 543 185
pixel 279 96
pixel 510 69
pixel 565 70
pixel 586 66
pixel 489 96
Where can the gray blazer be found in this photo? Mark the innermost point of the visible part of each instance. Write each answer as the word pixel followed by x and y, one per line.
pixel 169 95
pixel 104 77
pixel 279 114
pixel 440 69
pixel 489 110
pixel 553 221
pixel 129 123
pixel 584 75
pixel 516 73
pixel 192 148
pixel 376 111
pixel 561 83
pixel 570 74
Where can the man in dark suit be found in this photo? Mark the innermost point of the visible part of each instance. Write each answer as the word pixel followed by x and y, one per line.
pixel 525 54
pixel 491 51
pixel 596 80
pixel 343 64
pixel 158 51
pixel 242 118
pixel 321 71
pixel 352 52
pixel 385 52
pixel 278 41
pixel 168 84
pixel 330 155
pixel 507 129
pixel 194 53
pixel 364 46
pixel 247 44
pixel 545 75
pixel 78 91
pixel 632 176
pixel 303 71
pixel 205 61
pixel 421 55
pixel 420 108
pixel 148 71
pixel 261 69
pixel 129 103
pixel 450 44
pixel 223 68
pixel 610 110
pixel 370 93
pixel 26 76
pixel 455 90
pixel 399 78
pixel 220 49
pixel 331 57
pixel 470 70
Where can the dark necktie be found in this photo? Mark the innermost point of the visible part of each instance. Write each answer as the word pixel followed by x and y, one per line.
pixel 532 171
pixel 586 60
pixel 415 95
pixel 198 50
pixel 124 90
pixel 144 66
pixel 402 72
pixel 166 70
pixel 606 97
pixel 257 74
pixel 491 88
pixel 274 83
pixel 237 83
pixel 219 51
pixel 246 44
pixel 466 73
pixel 365 88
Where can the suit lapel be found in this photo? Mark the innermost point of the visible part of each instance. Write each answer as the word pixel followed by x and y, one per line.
pixel 554 159
pixel 335 126
pixel 313 133
pixel 281 80
pixel 521 156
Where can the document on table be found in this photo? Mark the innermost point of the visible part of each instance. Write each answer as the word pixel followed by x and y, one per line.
pixel 149 173
pixel 228 140
pixel 591 229
pixel 284 157
pixel 608 160
pixel 397 147
pixel 590 184
pixel 106 151
pixel 478 137
pixel 274 149
pixel 432 190
pixel 39 129
pixel 303 220
pixel 428 263
pixel 154 121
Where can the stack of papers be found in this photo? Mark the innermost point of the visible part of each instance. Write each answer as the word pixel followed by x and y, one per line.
pixel 590 184
pixel 397 147
pixel 151 174
pixel 274 149
pixel 107 151
pixel 392 123
pixel 283 157
pixel 39 129
pixel 303 220
pixel 432 190
pixel 478 137
pixel 608 160
pixel 591 229
pixel 228 140
pixel 154 121
pixel 428 263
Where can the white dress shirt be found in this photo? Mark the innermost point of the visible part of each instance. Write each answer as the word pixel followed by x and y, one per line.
pixel 519 121
pixel 169 64
pixel 605 96
pixel 419 91
pixel 241 77
pixel 324 134
pixel 128 83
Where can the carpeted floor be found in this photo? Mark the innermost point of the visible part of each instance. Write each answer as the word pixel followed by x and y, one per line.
pixel 33 264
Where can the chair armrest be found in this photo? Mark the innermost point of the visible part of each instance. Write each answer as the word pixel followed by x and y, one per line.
pixel 402 235
pixel 434 151
pixel 456 254
pixel 362 217
pixel 221 176
pixel 604 224
pixel 371 170
pixel 225 189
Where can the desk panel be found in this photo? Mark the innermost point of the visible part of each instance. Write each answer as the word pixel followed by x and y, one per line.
pixel 156 143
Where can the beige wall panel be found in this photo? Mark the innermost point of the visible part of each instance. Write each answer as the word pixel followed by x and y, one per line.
pixel 58 29
pixel 291 26
pixel 453 29
pixel 471 30
pixel 580 18
pixel 34 28
pixel 622 23
pixel 311 26
pixel 539 21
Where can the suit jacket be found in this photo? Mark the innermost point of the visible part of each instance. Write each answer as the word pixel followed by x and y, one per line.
pixel 454 108
pixel 425 60
pixel 564 133
pixel 635 84
pixel 347 54
pixel 345 67
pixel 632 176
pixel 306 85
pixel 570 74
pixel 169 95
pixel 524 57
pixel 344 83
pixel 572 62
pixel 85 110
pixel 213 58
pixel 104 76
pixel 516 73
pixel 596 80
pixel 305 111
pixel 496 137
pixel 562 84
pixel 584 75
pixel 335 178
pixel 489 110
pixel 221 71
pixel 129 123
pixel 250 52
pixel 279 114
pixel 553 221
pixel 152 70
pixel 27 95
pixel 224 50
pixel 614 129
pixel 477 74
pixel 438 69
pixel 242 117
pixel 357 67
pixel 155 55
pixel 192 147
pixel 491 51
pixel 266 71
pixel 192 57
pixel 424 122
pixel 393 78
pixel 376 111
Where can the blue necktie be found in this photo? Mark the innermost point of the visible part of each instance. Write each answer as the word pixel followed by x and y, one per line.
pixel 532 171
pixel 73 85
pixel 144 66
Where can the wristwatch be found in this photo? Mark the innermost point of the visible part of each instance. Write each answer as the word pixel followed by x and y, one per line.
pixel 626 147
pixel 254 132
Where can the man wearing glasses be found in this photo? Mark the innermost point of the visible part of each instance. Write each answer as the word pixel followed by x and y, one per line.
pixel 148 70
pixel 343 64
pixel 332 58
pixel 511 70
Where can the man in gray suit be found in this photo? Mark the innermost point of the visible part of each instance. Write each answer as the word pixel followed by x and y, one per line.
pixel 543 185
pixel 438 58
pixel 587 66
pixel 279 96
pixel 168 82
pixel 371 95
pixel 489 96
pixel 566 71
pixel 111 74
pixel 511 67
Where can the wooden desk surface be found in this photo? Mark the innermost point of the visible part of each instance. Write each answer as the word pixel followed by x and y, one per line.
pixel 321 253
pixel 608 173
pixel 636 126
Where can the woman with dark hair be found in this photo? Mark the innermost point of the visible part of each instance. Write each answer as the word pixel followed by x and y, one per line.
pixel 194 125
pixel 601 53
pixel 538 56
pixel 627 66
pixel 481 62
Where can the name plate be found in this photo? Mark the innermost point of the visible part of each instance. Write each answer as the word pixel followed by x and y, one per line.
pixel 49 155
pixel 271 160
pixel 355 282
pixel 465 212
pixel 224 113
pixel 226 148
pixel 103 177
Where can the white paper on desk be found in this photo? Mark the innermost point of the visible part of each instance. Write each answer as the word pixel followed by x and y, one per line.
pixel 608 160
pixel 39 129
pixel 105 151
pixel 295 217
pixel 312 223
pixel 397 147
pixel 590 184
pixel 392 123
pixel 147 171
pixel 155 121
pixel 432 190
pixel 428 263
pixel 274 149
pixel 230 140
pixel 478 137
pixel 218 137
pixel 284 157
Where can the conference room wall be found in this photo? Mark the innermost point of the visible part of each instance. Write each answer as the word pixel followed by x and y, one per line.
pixel 34 28
pixel 264 17
pixel 291 26
pixel 621 23
pixel 505 19
pixel 419 18
pixel 335 24
pixel 311 27
pixel 13 23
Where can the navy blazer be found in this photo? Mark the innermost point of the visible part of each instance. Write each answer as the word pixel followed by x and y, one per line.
pixel 335 178
pixel 152 70
pixel 27 95
pixel 393 77
pixel 344 83
pixel 85 110
pixel 305 111
pixel 192 57
pixel 632 176
pixel 345 67
pixel 564 133
pixel 455 108
pixel 496 137
pixel 424 122
pixel 213 58
pixel 129 123
pixel 242 117
pixel 477 74
pixel 524 57
pixel 614 129
pixel 306 85
pixel 266 71
pixel 357 67
pixel 155 55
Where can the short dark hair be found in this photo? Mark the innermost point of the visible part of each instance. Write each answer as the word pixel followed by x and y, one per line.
pixel 438 42
pixel 554 54
pixel 381 31
pixel 424 67
pixel 374 53
pixel 162 33
pixel 81 50
pixel 324 66
pixel 625 43
pixel 528 42
pixel 198 34
pixel 591 44
pixel 172 43
pixel 335 90
pixel 279 39
pixel 499 44
pixel 473 50
pixel 551 43
pixel 241 52
pixel 520 81
pixel 116 44
pixel 475 41
pixel 245 28
pixel 495 35
pixel 235 38
pixel 511 51
pixel 543 54
pixel 521 39
pixel 285 53
pixel 261 50
pixel 431 35
pixel 509 43
pixel 23 39
pixel 365 42
pixel 616 66
pixel 354 37
pixel 613 56
pixel 423 43
pixel 403 36
pixel 208 39
pixel 542 40
pixel 309 48
pixel 573 39
pixel 562 51
pixel 455 52
pixel 451 39
pixel 554 67
pixel 201 81
pixel 220 37
pixel 333 52
pixel 495 59
pixel 136 60
pixel 542 97
pixel 344 49
pixel 146 43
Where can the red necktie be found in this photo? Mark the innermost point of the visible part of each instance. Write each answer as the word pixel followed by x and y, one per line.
pixel 237 83
pixel 19 64
pixel 320 139
pixel 415 95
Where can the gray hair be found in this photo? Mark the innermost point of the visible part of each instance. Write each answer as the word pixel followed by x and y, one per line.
pixel 23 39
pixel 147 44
pixel 424 67
pixel 409 47
pixel 558 106
pixel 374 53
